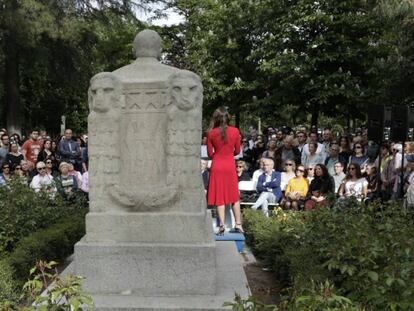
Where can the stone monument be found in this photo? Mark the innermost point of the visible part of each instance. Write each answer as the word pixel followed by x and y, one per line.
pixel 147 233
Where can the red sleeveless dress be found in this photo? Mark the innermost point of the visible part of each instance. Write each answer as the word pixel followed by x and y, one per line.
pixel 223 184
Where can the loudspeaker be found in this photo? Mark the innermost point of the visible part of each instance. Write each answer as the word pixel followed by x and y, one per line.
pixel 399 123
pixel 411 117
pixel 375 123
pixel 387 116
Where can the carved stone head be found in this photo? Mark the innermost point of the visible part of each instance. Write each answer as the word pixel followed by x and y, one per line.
pixel 186 90
pixel 147 43
pixel 103 92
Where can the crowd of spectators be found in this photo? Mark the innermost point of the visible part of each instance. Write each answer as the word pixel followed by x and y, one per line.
pixel 57 166
pixel 299 169
pixel 304 169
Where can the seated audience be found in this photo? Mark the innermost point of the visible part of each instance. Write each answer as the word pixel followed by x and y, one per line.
pixel 5 172
pixel 271 150
pixel 46 151
pixel 287 174
pixel 313 158
pixel 258 172
pixel 14 157
pixel 297 189
pixel 286 152
pixel 359 156
pixel 204 173
pixel 339 175
pixel 333 158
pixel 268 187
pixel 310 172
pixel 242 173
pixel 42 181
pixel 50 168
pixel 320 148
pixel 372 179
pixel 354 185
pixel 76 174
pixel 85 182
pixel 345 150
pixel 66 184
pixel 321 186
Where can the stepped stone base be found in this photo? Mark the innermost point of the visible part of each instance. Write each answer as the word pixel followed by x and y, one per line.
pixel 228 274
pixel 147 269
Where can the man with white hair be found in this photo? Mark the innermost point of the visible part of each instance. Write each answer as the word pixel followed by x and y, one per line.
pixel 43 180
pixel 268 186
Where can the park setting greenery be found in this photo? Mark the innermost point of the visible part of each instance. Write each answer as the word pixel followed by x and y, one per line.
pixel 287 62
pixel 34 226
pixel 348 257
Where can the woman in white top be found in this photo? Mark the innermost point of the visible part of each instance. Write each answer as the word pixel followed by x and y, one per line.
pixel 354 185
pixel 288 174
pixel 43 180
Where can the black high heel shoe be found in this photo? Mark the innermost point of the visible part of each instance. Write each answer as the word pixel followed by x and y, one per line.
pixel 221 230
pixel 238 228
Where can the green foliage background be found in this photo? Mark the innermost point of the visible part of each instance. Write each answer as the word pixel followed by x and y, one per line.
pixel 287 62
pixel 366 253
pixel 34 226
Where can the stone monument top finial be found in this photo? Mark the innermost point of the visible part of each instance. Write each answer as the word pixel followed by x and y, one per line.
pixel 147 43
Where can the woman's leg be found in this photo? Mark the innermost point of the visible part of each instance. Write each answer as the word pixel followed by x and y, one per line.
pixel 221 214
pixel 237 217
pixel 287 204
pixel 295 205
pixel 237 213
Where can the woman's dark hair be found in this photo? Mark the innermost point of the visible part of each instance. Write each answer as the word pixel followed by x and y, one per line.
pixel 221 119
pixel 13 143
pixel 344 137
pixel 18 137
pixel 324 171
pixel 357 171
pixel 362 148
pixel 44 143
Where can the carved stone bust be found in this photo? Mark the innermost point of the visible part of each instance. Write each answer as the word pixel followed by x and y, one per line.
pixel 151 114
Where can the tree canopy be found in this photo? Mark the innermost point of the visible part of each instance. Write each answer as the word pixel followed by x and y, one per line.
pixel 285 61
pixel 297 58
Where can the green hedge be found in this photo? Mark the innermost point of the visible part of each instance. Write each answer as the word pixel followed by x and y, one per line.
pixel 8 287
pixel 53 243
pixel 366 253
pixel 23 212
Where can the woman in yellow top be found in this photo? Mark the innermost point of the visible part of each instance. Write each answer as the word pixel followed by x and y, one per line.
pixel 297 188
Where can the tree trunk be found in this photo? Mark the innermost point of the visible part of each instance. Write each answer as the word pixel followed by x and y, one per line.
pixel 11 78
pixel 14 113
pixel 315 115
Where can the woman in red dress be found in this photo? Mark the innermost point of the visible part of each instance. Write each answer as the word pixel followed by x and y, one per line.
pixel 223 143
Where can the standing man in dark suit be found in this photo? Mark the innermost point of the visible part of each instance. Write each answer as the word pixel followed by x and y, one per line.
pixel 69 150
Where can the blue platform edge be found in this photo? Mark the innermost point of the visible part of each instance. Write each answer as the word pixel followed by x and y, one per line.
pixel 238 238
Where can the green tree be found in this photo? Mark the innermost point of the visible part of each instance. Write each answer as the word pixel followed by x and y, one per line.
pixel 218 44
pixel 49 51
pixel 298 58
pixel 320 55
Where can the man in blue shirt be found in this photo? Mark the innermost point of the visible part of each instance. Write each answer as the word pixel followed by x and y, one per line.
pixel 268 186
